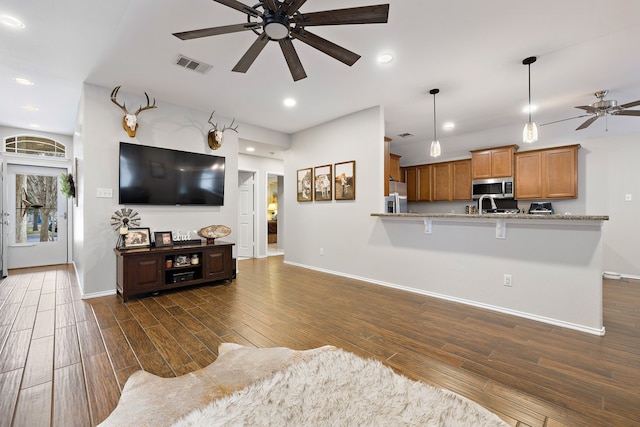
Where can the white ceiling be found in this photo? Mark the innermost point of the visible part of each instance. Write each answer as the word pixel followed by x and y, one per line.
pixel 471 50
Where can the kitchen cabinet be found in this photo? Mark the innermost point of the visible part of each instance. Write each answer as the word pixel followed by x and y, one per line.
pixel 461 180
pixel 424 183
pixel 387 164
pixel 493 162
pixel 418 179
pixel 438 181
pixel 394 167
pixel 146 270
pixel 547 173
pixel 441 181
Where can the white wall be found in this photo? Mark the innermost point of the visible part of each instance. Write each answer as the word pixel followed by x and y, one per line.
pixel 261 166
pixel 168 126
pixel 343 229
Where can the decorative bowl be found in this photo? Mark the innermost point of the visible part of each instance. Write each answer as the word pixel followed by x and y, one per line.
pixel 213 232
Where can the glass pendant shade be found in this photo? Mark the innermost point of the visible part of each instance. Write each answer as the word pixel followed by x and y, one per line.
pixel 530 133
pixel 435 149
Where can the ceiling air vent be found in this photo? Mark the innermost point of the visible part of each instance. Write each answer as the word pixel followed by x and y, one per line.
pixel 192 64
pixel 405 135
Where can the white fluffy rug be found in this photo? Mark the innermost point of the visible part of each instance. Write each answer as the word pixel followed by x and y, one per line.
pixel 337 388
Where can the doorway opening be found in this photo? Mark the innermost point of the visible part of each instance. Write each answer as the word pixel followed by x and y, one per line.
pixel 275 215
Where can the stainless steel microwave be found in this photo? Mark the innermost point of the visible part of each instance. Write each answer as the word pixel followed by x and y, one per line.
pixel 500 188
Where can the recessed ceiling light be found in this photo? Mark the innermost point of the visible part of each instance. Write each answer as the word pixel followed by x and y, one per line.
pixel 525 109
pixel 448 125
pixel 30 107
pixel 385 58
pixel 289 102
pixel 23 81
pixel 251 149
pixel 10 21
pixel 34 125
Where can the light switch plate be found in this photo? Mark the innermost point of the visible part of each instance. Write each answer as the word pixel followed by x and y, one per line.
pixel 105 193
pixel 627 197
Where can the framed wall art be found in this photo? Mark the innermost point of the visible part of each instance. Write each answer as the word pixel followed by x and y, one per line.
pixel 345 181
pixel 163 238
pixel 322 183
pixel 137 238
pixel 304 181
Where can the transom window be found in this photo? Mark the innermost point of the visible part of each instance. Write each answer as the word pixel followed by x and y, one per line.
pixel 34 146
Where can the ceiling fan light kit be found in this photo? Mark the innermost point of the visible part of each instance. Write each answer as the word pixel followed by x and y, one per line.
pixel 530 131
pixel 281 21
pixel 435 149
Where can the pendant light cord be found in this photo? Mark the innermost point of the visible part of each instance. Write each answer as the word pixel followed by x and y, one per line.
pixel 434 118
pixel 529 67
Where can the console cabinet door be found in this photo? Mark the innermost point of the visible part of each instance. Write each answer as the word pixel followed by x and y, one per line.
pixel 143 273
pixel 218 263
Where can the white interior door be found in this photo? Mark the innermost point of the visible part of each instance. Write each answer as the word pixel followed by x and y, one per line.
pixel 37 217
pixel 246 210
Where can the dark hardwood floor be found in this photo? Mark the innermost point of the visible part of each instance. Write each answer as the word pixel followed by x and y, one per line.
pixel 63 360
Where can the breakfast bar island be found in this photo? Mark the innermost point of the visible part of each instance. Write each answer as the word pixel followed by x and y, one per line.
pixel 543 267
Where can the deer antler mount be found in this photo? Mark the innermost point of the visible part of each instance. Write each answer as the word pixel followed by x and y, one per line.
pixel 215 136
pixel 130 121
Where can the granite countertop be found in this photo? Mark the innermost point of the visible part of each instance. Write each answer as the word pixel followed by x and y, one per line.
pixel 495 216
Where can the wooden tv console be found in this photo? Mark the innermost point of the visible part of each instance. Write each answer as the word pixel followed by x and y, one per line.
pixel 146 270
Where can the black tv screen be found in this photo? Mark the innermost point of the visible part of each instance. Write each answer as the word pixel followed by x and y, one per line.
pixel 159 176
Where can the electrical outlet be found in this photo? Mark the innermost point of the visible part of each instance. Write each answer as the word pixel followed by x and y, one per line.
pixel 321 251
pixel 507 280
pixel 627 197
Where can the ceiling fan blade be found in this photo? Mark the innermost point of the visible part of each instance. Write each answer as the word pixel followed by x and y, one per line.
pixel 251 54
pixel 271 5
pixel 235 4
pixel 564 120
pixel 628 113
pixel 293 61
pixel 292 6
pixel 341 54
pixel 215 31
pixel 587 108
pixel 587 123
pixel 378 14
pixel 630 104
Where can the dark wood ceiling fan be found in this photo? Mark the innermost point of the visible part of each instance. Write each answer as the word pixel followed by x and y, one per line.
pixel 602 108
pixel 282 21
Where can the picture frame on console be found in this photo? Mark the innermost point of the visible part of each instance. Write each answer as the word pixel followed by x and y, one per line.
pixel 322 183
pixel 304 185
pixel 137 238
pixel 345 180
pixel 163 239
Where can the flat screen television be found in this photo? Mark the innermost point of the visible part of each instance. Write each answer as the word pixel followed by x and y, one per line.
pixel 160 176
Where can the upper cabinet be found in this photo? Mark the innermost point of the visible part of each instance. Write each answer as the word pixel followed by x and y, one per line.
pixel 547 173
pixel 435 182
pixel 394 167
pixel 387 164
pixel 493 162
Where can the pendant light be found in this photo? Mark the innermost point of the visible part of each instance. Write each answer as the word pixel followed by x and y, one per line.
pixel 435 144
pixel 530 131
